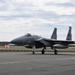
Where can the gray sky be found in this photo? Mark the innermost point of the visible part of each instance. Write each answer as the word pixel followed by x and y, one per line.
pixel 18 17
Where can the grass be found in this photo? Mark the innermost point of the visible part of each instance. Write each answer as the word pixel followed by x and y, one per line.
pixel 23 49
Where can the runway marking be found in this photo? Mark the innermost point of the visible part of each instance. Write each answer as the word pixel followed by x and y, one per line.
pixel 66 58
pixel 24 61
pixel 14 62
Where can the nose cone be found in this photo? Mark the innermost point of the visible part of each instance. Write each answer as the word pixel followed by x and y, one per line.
pixel 19 41
pixel 15 41
pixel 23 40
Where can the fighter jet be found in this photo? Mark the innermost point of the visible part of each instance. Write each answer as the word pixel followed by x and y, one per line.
pixel 35 41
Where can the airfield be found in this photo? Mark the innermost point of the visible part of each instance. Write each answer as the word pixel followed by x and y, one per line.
pixel 25 63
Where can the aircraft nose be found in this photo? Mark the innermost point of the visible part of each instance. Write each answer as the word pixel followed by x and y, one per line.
pixel 14 41
pixel 19 41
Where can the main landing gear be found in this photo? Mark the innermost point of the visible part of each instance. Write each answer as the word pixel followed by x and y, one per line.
pixel 43 51
pixel 55 52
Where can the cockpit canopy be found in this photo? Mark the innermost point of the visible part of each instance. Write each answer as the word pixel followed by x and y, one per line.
pixel 28 34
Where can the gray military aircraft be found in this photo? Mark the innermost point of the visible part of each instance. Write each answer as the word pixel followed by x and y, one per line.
pixel 34 41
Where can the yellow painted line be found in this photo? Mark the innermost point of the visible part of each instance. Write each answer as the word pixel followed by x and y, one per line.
pixel 14 62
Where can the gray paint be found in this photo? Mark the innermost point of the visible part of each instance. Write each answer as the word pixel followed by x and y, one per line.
pixel 40 42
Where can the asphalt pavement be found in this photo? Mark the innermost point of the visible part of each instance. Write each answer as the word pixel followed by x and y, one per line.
pixel 25 63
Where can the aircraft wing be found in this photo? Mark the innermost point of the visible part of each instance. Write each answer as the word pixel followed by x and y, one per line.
pixel 51 42
pixel 43 42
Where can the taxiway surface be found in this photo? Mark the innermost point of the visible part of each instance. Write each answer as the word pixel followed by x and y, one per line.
pixel 22 63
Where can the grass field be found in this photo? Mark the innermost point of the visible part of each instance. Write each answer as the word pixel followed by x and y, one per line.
pixel 23 49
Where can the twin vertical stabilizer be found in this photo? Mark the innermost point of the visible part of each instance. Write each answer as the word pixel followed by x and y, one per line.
pixel 69 35
pixel 54 34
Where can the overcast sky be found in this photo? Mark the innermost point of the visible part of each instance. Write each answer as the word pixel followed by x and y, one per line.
pixel 18 17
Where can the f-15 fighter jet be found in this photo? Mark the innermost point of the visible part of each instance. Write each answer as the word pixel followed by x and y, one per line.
pixel 35 41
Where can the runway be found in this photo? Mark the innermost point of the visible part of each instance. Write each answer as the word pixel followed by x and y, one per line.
pixel 25 63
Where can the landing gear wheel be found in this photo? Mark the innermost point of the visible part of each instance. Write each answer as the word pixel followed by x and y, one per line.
pixel 33 52
pixel 43 52
pixel 55 52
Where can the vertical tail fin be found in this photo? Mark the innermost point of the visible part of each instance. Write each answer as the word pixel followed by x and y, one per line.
pixel 69 35
pixel 54 34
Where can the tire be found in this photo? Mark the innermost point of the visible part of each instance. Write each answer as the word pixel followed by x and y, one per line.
pixel 55 52
pixel 43 52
